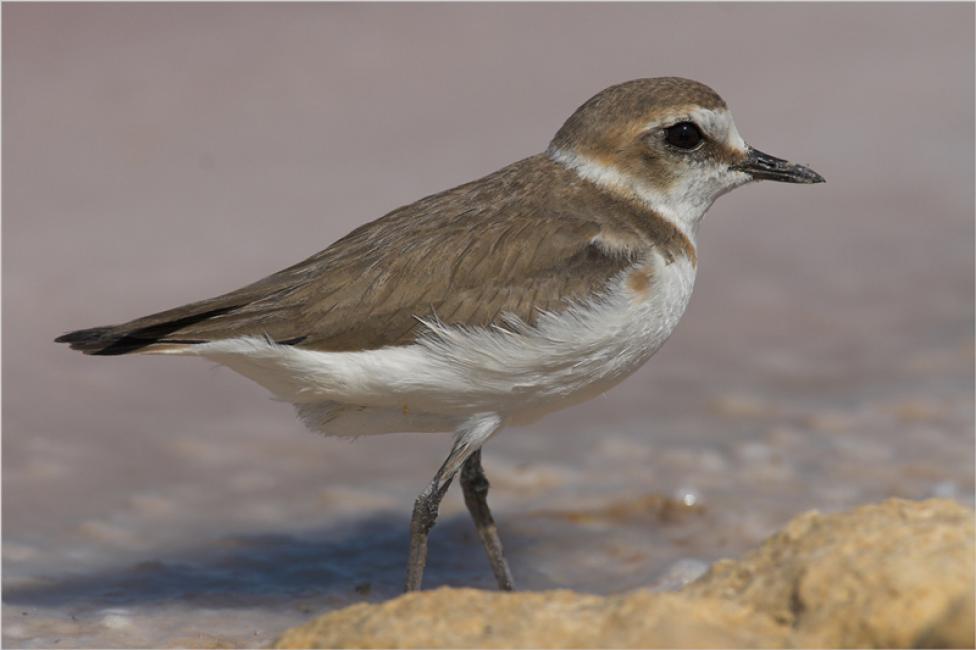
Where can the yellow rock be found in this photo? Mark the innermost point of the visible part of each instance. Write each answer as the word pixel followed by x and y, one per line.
pixel 468 618
pixel 894 574
pixel 888 575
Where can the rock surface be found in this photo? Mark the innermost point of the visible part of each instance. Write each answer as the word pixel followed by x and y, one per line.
pixel 895 574
pixel 891 575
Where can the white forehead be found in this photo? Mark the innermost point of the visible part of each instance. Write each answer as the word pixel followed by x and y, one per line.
pixel 716 123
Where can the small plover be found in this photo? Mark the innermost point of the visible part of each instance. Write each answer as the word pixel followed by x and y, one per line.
pixel 496 302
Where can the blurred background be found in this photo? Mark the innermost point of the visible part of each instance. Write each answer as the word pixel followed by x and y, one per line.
pixel 155 154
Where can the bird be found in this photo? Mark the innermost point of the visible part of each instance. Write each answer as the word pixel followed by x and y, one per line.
pixel 491 304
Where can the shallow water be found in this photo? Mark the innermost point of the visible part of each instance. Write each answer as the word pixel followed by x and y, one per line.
pixel 826 359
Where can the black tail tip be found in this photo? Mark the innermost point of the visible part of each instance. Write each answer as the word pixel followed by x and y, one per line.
pixel 92 335
pixel 94 340
pixel 111 341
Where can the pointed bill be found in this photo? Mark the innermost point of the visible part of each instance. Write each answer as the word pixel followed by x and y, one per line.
pixel 762 166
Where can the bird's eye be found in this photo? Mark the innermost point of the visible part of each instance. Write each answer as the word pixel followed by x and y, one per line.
pixel 684 135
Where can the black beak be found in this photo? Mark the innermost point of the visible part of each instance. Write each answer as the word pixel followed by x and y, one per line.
pixel 762 166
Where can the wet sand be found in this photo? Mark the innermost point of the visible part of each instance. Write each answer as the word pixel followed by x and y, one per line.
pixel 154 155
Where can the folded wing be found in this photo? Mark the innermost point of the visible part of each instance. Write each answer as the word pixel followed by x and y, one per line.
pixel 468 256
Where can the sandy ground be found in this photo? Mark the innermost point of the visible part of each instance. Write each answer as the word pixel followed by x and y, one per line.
pixel 158 154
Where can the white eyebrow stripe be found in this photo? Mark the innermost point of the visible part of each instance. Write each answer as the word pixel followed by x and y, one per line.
pixel 719 124
pixel 716 123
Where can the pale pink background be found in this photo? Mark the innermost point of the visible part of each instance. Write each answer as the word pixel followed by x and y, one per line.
pixel 157 154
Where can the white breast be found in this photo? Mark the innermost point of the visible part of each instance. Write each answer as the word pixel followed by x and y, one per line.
pixel 515 371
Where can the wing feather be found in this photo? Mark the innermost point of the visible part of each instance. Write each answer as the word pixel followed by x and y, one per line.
pixel 503 246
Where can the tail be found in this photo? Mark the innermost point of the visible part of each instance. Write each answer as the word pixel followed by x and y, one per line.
pixel 139 337
pixel 259 309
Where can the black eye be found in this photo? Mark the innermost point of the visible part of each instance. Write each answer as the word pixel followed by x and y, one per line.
pixel 684 135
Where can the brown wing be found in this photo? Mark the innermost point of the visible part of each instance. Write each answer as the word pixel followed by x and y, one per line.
pixel 507 244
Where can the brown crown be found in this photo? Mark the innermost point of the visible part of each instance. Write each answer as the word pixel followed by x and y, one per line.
pixel 619 107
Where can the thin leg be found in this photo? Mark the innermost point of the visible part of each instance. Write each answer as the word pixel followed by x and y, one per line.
pixel 469 439
pixel 475 486
pixel 424 515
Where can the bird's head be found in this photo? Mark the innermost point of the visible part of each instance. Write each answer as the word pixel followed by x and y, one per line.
pixel 670 143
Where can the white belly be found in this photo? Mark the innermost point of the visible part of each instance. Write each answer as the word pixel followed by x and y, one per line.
pixel 515 371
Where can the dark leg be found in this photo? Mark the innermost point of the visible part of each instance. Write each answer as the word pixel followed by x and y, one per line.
pixel 475 486
pixel 424 515
pixel 472 434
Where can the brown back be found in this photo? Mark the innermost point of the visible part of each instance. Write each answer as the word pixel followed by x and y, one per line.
pixel 515 242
